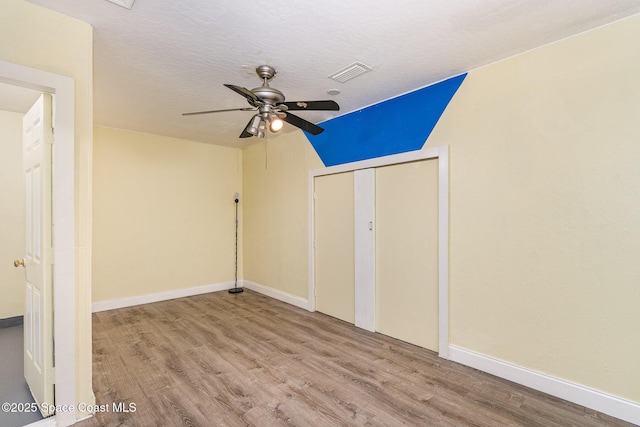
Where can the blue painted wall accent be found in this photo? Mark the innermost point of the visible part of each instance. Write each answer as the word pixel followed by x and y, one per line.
pixel 395 126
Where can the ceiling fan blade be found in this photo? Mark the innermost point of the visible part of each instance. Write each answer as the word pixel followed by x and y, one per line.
pixel 219 111
pixel 303 124
pixel 313 105
pixel 246 93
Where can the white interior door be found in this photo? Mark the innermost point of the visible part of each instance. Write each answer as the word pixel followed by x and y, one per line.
pixel 334 246
pixel 38 317
pixel 407 252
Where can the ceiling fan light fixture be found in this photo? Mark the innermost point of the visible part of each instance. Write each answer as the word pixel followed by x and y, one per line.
pixel 254 125
pixel 262 128
pixel 276 124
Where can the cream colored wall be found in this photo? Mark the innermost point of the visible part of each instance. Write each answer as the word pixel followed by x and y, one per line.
pixel 163 213
pixel 275 212
pixel 39 38
pixel 12 208
pixel 545 209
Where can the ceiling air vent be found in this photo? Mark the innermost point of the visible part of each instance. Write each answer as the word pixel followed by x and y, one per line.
pixel 350 72
pixel 124 3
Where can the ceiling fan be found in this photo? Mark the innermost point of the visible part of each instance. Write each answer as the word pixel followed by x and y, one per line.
pixel 271 108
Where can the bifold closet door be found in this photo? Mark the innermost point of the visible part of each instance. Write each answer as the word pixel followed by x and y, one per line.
pixel 407 252
pixel 334 245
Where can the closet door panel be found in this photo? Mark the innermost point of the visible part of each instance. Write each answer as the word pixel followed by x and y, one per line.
pixel 407 252
pixel 334 245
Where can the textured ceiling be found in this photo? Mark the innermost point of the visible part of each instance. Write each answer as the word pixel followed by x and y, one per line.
pixel 165 57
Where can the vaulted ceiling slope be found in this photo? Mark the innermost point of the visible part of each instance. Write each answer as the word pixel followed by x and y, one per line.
pixel 166 57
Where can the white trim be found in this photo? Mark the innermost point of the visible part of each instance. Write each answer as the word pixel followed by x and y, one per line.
pixel 443 251
pixel 311 299
pixel 158 296
pixel 64 273
pixel 606 403
pixel 364 208
pixel 410 156
pixel 276 294
pixel 442 154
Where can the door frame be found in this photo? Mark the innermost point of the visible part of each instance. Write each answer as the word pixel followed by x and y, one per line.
pixel 63 213
pixel 442 154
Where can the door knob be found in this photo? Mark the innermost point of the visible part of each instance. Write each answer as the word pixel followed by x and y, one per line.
pixel 18 262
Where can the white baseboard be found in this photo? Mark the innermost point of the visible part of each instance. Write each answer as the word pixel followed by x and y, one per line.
pixel 277 294
pixel 160 296
pixel 180 293
pixel 611 405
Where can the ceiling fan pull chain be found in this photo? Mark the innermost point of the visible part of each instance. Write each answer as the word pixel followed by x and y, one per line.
pixel 266 154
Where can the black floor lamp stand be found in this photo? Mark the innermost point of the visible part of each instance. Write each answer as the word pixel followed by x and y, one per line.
pixel 236 289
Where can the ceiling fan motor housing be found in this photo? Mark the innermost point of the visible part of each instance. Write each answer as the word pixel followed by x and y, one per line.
pixel 268 94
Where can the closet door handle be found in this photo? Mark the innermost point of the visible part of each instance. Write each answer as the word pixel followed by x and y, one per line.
pixel 18 262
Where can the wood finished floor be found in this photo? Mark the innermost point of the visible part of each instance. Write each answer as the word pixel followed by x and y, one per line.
pixel 236 360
